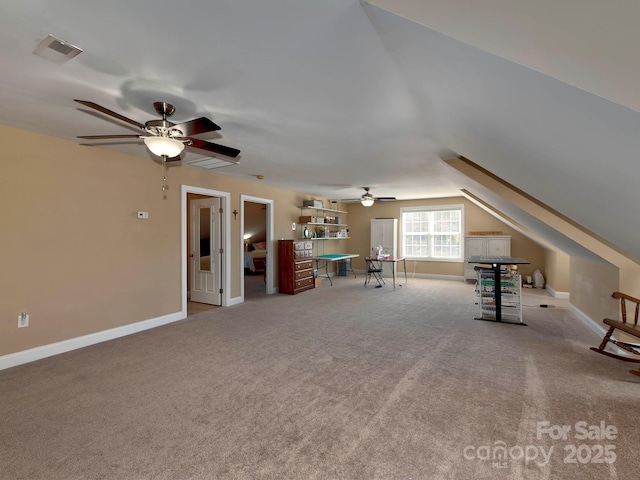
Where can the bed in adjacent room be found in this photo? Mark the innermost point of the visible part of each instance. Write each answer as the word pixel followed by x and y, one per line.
pixel 255 257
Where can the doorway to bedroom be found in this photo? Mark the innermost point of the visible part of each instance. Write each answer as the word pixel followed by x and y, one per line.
pixel 257 264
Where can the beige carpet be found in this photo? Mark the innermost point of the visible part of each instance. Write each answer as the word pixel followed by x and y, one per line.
pixel 340 382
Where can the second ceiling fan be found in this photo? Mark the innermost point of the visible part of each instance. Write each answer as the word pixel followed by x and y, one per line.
pixel 367 199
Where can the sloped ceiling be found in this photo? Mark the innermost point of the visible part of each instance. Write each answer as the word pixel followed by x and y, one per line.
pixel 586 43
pixel 328 96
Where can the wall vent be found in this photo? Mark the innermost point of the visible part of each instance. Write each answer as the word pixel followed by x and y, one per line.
pixel 56 50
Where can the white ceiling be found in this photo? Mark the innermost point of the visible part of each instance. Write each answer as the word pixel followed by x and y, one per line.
pixel 327 96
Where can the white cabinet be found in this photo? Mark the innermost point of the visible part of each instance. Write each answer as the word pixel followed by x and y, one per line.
pixel 484 245
pixel 384 232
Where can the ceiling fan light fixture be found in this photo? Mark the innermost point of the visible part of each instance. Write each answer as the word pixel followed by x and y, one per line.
pixel 366 200
pixel 164 146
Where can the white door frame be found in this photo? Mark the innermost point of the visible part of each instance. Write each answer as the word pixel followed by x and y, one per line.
pixel 225 224
pixel 269 264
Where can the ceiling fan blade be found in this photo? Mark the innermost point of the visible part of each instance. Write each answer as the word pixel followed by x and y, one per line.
pixel 102 137
pixel 111 113
pixel 213 147
pixel 196 126
pixel 174 159
pixel 384 199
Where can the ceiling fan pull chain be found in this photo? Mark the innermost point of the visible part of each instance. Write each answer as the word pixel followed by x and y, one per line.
pixel 165 187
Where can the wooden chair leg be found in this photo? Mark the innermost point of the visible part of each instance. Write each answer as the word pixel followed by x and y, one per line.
pixel 603 344
pixel 606 338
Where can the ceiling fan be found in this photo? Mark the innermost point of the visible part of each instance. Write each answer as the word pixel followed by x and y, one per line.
pixel 367 199
pixel 164 138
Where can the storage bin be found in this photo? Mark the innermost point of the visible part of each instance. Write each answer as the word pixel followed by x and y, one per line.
pixel 344 266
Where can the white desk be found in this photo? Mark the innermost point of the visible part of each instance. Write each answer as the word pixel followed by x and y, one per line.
pixel 394 261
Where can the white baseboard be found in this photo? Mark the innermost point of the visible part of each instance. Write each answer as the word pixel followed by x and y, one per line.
pixel 44 351
pixel 410 275
pixel 234 301
pixel 556 294
pixel 457 278
pixel 594 326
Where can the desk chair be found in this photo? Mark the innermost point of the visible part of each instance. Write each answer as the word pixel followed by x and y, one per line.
pixel 375 271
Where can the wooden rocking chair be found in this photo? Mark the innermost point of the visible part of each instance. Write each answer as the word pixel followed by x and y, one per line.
pixel 624 326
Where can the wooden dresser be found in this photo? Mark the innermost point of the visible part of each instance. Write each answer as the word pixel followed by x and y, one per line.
pixel 295 266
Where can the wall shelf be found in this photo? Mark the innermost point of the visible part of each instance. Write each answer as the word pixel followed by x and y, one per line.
pixel 325 227
pixel 327 224
pixel 321 209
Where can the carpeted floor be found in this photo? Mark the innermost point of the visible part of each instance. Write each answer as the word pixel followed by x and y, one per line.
pixel 340 382
pixel 254 286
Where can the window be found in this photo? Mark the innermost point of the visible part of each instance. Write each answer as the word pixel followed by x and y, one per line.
pixel 432 233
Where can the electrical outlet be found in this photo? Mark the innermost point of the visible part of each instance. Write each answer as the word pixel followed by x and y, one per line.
pixel 143 215
pixel 23 320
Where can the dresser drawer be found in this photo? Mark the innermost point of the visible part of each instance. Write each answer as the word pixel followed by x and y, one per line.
pixel 304 282
pixel 303 265
pixel 300 254
pixel 302 274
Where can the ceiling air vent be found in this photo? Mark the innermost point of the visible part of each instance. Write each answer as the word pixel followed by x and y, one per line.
pixel 214 162
pixel 56 50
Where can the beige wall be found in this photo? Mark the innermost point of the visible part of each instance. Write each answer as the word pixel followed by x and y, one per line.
pixel 557 268
pixel 79 259
pixel 475 219
pixel 592 283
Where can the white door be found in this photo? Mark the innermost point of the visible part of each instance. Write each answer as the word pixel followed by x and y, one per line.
pixel 205 256
pixel 383 233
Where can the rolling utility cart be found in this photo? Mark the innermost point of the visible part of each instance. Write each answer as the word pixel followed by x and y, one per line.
pixel 499 292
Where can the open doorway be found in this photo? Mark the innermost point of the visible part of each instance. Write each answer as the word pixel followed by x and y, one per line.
pixel 206 259
pixel 257 247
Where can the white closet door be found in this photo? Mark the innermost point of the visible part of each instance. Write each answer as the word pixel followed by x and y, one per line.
pixel 384 232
